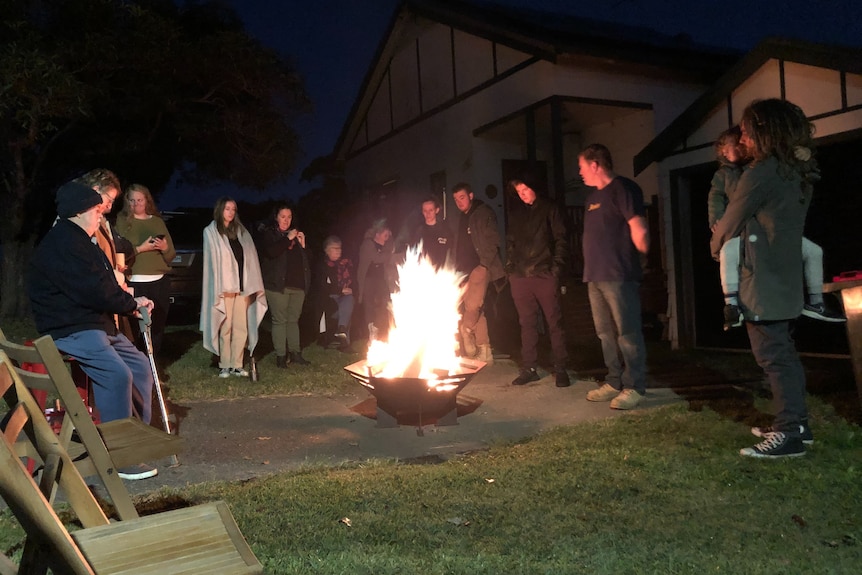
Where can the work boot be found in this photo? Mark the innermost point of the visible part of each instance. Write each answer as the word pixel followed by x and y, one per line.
pixel 468 342
pixel 281 361
pixel 296 357
pixel 484 353
pixel 561 378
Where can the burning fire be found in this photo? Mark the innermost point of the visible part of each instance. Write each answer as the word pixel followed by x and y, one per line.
pixel 422 340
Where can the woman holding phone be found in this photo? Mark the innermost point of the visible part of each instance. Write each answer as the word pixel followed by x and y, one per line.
pixel 286 278
pixel 141 223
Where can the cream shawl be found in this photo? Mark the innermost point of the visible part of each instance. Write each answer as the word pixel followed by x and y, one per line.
pixel 221 276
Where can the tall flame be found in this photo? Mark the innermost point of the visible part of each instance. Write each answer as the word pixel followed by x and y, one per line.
pixel 423 338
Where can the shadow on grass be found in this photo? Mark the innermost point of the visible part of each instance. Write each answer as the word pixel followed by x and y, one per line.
pixel 729 382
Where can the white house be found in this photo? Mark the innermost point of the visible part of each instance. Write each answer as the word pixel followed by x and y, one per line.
pixel 471 92
pixel 463 92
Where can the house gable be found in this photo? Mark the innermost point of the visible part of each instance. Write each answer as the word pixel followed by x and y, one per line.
pixel 438 53
pixel 825 81
pixel 432 66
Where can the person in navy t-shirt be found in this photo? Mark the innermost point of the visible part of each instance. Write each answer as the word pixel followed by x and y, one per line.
pixel 615 234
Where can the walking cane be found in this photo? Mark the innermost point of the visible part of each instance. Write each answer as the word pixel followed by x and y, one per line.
pixel 145 322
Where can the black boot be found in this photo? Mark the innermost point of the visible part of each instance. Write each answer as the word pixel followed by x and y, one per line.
pixel 296 357
pixel 281 361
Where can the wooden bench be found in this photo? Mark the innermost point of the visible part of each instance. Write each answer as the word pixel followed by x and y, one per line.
pixel 97 450
pixel 201 539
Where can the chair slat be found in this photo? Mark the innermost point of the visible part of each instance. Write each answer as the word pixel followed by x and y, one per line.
pixel 201 540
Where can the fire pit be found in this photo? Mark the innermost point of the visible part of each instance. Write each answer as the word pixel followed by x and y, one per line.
pixel 401 399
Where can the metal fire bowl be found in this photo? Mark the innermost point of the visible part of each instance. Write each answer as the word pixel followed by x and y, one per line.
pixel 410 399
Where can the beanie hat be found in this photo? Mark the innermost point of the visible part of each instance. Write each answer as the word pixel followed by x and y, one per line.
pixel 74 198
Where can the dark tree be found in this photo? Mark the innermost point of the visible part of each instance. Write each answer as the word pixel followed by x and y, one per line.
pixel 144 88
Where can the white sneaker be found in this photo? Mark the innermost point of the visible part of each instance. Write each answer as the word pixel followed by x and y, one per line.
pixel 239 372
pixel 135 472
pixel 224 372
pixel 627 399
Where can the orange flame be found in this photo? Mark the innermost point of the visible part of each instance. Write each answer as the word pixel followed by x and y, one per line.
pixel 423 338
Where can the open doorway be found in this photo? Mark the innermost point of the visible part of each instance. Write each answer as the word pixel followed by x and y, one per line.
pixel 831 223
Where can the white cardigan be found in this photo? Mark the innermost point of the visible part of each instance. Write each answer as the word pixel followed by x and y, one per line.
pixel 221 276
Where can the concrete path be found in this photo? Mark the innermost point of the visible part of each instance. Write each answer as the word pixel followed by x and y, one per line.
pixel 241 439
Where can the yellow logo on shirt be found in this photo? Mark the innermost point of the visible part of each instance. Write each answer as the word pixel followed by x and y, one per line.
pixel 595 206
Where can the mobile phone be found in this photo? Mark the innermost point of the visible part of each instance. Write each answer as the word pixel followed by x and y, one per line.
pixel 160 237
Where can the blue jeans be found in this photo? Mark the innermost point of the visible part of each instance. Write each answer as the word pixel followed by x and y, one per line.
pixel 121 375
pixel 616 310
pixel 773 348
pixel 345 310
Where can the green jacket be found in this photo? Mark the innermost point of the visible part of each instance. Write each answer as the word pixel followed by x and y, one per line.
pixel 767 212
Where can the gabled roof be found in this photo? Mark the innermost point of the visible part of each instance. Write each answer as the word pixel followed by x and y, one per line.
pixel 787 49
pixel 547 36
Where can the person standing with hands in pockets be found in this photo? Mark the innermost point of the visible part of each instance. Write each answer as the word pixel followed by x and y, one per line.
pixel 536 257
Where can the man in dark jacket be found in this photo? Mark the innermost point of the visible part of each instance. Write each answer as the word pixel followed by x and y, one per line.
pixel 477 254
pixel 537 253
pixel 74 297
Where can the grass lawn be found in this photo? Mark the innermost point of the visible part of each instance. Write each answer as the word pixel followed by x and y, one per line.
pixel 658 491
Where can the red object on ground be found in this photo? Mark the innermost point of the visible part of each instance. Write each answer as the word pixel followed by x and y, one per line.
pixel 55 413
pixel 848 276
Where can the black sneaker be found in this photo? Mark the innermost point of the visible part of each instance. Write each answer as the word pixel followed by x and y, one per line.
pixel 562 379
pixel 775 445
pixel 135 472
pixel 804 431
pixel 732 316
pixel 525 376
pixel 818 311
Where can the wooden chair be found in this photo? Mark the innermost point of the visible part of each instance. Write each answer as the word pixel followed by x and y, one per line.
pixel 98 450
pixel 200 539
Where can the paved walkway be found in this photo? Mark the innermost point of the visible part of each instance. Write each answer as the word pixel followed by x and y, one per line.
pixel 241 439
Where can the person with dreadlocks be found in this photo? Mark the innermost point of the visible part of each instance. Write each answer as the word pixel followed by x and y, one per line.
pixel 767 212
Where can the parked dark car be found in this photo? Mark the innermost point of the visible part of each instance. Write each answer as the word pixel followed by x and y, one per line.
pixel 187 228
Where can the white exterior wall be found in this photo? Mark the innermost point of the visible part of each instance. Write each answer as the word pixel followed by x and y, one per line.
pixel 444 141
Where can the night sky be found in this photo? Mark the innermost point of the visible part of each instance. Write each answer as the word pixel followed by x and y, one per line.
pixel 332 43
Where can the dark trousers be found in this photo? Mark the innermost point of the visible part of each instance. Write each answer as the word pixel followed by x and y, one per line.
pixel 775 351
pixel 160 292
pixel 530 295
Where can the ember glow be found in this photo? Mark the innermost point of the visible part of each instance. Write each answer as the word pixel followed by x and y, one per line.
pixel 422 341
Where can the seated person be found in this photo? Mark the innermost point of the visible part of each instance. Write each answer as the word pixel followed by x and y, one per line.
pixel 74 296
pixel 334 279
